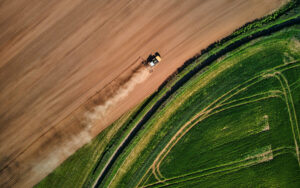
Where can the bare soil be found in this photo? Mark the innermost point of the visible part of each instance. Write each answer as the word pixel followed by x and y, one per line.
pixel 62 60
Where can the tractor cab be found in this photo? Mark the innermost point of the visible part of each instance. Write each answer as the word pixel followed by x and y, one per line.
pixel 152 60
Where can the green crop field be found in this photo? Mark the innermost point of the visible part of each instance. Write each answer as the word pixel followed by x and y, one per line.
pixel 232 123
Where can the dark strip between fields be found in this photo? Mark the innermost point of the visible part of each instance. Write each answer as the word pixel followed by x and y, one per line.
pixel 125 127
pixel 183 80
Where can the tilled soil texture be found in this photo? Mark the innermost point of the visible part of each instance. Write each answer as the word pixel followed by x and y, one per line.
pixel 69 68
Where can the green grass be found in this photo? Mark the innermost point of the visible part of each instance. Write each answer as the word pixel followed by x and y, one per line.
pixel 208 155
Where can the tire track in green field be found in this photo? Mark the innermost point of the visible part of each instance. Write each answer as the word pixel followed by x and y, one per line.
pixel 148 175
pixel 275 152
pixel 265 155
pixel 291 109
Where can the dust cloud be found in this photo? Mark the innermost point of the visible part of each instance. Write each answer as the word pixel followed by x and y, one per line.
pixel 47 164
pixel 137 76
pixel 111 96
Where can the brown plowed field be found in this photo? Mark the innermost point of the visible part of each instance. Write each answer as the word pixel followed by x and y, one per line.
pixel 55 55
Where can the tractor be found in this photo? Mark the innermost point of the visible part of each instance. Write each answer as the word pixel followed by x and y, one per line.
pixel 152 60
